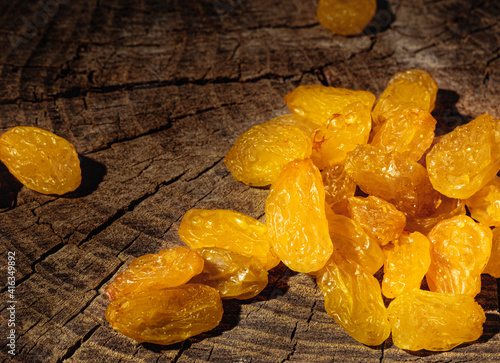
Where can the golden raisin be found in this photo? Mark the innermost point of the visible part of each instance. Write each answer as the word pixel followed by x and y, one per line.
pixel 493 266
pixel 392 177
pixel 447 208
pixel 233 275
pixel 380 219
pixel 228 229
pixel 354 300
pixel 321 103
pixel 434 321
pixel 413 88
pixel 258 156
pixel 169 268
pixel 342 133
pixel 484 205
pixel 407 263
pixel 354 244
pixel 166 316
pixel 338 186
pixel 409 131
pixel 460 250
pixel 465 160
pixel 306 125
pixel 346 17
pixel 295 215
pixel 41 160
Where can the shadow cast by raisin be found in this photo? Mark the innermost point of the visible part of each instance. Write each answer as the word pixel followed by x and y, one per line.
pixel 446 113
pixel 92 175
pixel 9 188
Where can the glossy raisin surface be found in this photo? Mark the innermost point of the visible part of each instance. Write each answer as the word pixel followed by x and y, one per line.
pixel 228 229
pixel 233 275
pixel 169 268
pixel 258 156
pixel 460 250
pixel 41 160
pixel 346 17
pixel 166 316
pixel 434 321
pixel 295 214
pixel 354 300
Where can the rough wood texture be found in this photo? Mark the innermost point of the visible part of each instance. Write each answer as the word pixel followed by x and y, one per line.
pixel 152 94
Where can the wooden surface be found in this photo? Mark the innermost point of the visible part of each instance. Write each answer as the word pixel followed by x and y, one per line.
pixel 153 94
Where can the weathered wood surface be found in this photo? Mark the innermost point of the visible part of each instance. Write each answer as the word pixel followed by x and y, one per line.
pixel 152 94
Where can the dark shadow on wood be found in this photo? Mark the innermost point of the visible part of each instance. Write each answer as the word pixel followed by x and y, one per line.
pixel 9 188
pixel 382 19
pixel 92 175
pixel 446 113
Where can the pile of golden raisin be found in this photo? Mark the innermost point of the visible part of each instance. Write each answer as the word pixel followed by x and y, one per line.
pixel 353 188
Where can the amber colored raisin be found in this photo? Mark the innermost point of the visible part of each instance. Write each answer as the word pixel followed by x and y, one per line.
pixel 166 316
pixel 306 125
pixel 228 229
pixel 413 88
pixel 341 135
pixel 380 219
pixel 346 17
pixel 233 275
pixel 447 208
pixel 169 268
pixel 484 205
pixel 406 264
pixel 338 186
pixel 493 266
pixel 434 321
pixel 465 160
pixel 409 131
pixel 392 177
pixel 295 215
pixel 41 160
pixel 460 250
pixel 258 156
pixel 354 300
pixel 354 244
pixel 321 103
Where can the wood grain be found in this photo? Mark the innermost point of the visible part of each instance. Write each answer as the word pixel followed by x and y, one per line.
pixel 152 94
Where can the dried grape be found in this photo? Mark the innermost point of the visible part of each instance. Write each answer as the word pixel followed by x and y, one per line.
pixel 166 316
pixel 434 321
pixel 41 160
pixel 295 214
pixel 228 229
pixel 346 17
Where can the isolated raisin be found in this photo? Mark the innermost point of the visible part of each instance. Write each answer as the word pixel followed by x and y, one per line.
pixel 354 300
pixel 258 156
pixel 460 250
pixel 41 160
pixel 295 214
pixel 233 275
pixel 169 268
pixel 434 321
pixel 346 17
pixel 166 316
pixel 228 229
pixel 321 103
